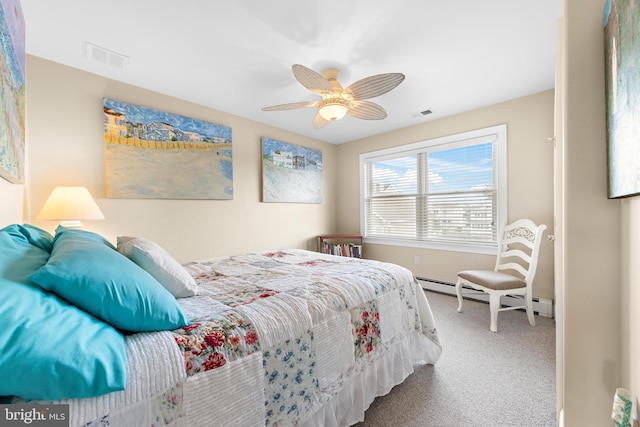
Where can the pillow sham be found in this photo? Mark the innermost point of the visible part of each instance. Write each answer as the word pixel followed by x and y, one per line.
pixel 87 271
pixel 157 262
pixel 49 349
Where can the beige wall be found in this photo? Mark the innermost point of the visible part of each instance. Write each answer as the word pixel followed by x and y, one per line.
pixel 530 183
pixel 630 295
pixel 601 283
pixel 64 134
pixel 12 196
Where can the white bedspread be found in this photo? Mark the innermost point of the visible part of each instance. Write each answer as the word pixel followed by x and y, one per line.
pixel 279 338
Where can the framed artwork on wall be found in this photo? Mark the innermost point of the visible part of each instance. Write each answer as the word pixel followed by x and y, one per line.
pixel 150 154
pixel 290 173
pixel 12 92
pixel 622 85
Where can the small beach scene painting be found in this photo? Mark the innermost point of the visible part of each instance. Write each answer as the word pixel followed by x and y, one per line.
pixel 12 91
pixel 150 154
pixel 290 173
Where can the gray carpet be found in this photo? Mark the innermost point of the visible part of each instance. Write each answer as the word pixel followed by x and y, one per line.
pixel 482 378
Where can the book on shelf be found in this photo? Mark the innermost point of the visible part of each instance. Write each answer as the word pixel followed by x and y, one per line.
pixel 342 249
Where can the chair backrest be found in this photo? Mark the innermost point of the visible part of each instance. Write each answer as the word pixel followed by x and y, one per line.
pixel 519 247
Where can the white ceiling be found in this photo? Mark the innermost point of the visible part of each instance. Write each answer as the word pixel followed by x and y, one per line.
pixel 236 56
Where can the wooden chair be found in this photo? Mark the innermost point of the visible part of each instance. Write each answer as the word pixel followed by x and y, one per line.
pixel 518 249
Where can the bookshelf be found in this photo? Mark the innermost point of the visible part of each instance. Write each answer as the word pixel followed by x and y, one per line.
pixel 349 245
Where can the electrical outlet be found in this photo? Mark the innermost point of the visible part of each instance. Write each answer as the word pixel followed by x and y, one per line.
pixel 416 260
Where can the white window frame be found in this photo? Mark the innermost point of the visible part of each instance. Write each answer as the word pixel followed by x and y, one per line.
pixel 500 168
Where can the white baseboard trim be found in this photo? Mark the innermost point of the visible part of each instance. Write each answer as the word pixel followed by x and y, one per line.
pixel 541 306
pixel 561 418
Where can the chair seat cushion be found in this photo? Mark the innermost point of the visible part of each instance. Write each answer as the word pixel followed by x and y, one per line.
pixel 492 279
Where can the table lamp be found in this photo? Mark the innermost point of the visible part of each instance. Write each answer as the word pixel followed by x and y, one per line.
pixel 70 205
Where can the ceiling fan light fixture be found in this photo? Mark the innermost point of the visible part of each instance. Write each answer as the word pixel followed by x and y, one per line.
pixel 336 101
pixel 333 108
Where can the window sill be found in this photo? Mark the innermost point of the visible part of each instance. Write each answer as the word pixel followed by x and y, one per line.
pixel 440 246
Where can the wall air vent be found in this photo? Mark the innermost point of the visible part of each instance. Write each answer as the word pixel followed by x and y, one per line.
pixel 106 56
pixel 422 113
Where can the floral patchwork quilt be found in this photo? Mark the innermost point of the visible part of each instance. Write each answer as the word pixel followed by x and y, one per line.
pixel 279 338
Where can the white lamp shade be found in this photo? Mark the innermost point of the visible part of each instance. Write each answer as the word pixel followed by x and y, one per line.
pixel 70 204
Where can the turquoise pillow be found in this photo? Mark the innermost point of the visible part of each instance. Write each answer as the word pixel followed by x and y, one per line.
pixel 32 234
pixel 49 349
pixel 87 271
pixel 38 237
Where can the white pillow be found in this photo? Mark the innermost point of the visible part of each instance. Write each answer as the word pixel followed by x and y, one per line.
pixel 157 262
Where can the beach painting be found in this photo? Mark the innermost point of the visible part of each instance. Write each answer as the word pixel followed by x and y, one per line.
pixel 290 173
pixel 622 92
pixel 12 91
pixel 150 154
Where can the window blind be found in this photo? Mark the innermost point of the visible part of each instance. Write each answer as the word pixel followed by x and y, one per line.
pixel 446 192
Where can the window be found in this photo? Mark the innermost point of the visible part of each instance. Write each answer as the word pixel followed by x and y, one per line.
pixel 447 193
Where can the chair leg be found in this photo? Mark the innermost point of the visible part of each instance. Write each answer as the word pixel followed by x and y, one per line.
pixel 459 294
pixel 532 320
pixel 494 306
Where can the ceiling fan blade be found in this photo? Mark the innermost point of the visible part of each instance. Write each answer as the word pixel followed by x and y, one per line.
pixel 320 122
pixel 373 86
pixel 367 110
pixel 291 106
pixel 313 81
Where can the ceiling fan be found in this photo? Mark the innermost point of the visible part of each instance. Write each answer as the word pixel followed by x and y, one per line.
pixel 336 101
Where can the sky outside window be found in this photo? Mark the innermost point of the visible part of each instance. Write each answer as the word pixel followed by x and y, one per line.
pixel 466 168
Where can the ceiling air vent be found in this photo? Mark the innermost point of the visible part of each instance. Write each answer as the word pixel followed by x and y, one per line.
pixel 421 113
pixel 106 56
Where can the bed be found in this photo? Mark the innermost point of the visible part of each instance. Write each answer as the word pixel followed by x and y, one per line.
pixel 127 336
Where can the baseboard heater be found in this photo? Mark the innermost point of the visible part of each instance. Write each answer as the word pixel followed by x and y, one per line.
pixel 541 306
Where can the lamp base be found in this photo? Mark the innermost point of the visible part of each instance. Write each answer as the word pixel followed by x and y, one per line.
pixel 71 224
